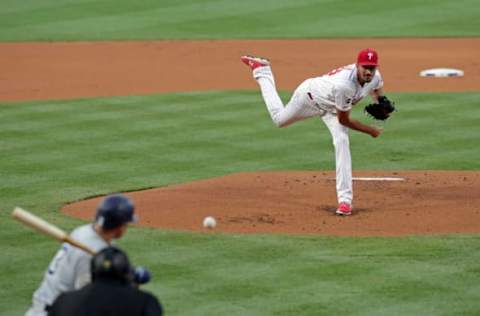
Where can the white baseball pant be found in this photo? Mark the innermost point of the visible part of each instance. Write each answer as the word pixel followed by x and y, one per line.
pixel 301 107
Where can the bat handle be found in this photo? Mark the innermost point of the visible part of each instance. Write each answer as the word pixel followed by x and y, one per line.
pixel 77 244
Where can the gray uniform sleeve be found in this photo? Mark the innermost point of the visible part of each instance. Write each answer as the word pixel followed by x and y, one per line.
pixel 82 269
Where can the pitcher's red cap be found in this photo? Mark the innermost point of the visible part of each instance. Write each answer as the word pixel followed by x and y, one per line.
pixel 367 57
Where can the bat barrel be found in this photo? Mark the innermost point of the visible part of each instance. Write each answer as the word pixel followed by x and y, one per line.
pixel 45 227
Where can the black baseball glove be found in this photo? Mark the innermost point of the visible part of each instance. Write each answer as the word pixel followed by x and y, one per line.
pixel 382 109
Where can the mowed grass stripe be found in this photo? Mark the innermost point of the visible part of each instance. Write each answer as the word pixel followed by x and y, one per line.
pixel 369 275
pixel 425 127
pixel 223 19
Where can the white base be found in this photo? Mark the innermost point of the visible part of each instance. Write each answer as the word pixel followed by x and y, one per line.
pixel 442 72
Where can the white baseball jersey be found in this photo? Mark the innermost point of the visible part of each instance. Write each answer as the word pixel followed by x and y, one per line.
pixel 339 89
pixel 70 268
pixel 321 97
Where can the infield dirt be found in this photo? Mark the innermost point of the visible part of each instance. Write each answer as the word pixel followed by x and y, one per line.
pixel 36 71
pixel 427 202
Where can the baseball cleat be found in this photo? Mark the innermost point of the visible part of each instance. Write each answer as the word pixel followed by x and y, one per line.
pixel 254 62
pixel 344 209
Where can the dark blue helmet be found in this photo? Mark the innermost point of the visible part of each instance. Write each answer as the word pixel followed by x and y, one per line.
pixel 114 211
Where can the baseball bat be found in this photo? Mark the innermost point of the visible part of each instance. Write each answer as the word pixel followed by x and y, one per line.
pixel 45 227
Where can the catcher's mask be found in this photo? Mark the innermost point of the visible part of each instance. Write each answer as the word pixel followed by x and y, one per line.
pixel 111 263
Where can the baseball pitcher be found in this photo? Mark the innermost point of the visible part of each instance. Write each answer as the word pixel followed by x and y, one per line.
pixel 330 97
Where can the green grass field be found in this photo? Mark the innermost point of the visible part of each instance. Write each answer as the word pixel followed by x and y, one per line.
pixel 54 152
pixel 33 20
pixel 59 151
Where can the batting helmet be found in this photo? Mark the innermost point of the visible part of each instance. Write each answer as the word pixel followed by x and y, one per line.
pixel 114 211
pixel 111 263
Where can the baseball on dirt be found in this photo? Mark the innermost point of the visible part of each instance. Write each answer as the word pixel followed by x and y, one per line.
pixel 209 222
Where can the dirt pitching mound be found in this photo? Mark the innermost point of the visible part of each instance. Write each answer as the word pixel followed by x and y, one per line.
pixel 386 204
